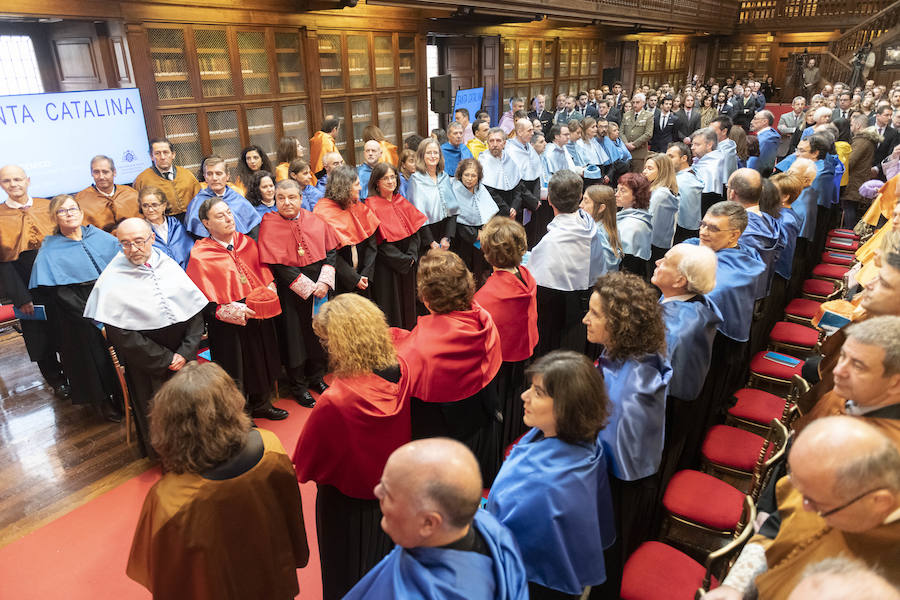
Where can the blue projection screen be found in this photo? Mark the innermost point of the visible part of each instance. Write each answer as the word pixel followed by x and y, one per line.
pixel 54 136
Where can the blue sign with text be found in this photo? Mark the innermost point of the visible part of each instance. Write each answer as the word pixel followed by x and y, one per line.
pixel 470 100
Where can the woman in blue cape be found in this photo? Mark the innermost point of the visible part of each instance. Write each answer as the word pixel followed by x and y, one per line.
pixel 553 490
pixel 625 317
pixel 63 276
pixel 169 235
pixel 634 222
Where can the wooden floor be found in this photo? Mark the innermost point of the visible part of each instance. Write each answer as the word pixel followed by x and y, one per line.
pixel 54 456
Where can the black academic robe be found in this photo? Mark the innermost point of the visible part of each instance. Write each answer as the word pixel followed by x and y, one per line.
pixel 146 356
pixel 346 277
pixel 394 285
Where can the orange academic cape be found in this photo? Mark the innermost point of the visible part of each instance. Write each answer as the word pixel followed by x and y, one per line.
pixel 23 229
pixel 319 145
pixel 105 212
pixel 179 192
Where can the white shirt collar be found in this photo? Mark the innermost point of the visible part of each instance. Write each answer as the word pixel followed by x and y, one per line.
pixel 13 204
pixel 223 244
pixel 681 298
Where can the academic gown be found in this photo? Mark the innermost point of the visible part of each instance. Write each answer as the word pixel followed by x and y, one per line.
pixel 355 426
pixel 429 573
pixel 246 217
pixel 635 235
pixel 249 353
pixel 710 172
pixel 690 189
pixel 394 286
pixel 663 214
pixel 453 360
pixel 475 210
pixel 280 244
pixel 65 271
pixel 105 212
pixel 233 533
pixel 150 312
pixel 178 242
pixel 511 300
pixel 436 200
pixel 355 228
pixel 179 191
pixel 763 234
pixel 554 497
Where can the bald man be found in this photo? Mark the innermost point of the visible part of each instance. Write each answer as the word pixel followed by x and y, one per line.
pixel 446 548
pixel 24 223
pixel 842 498
pixel 330 162
pixel 841 578
pixel 372 156
pixel 152 313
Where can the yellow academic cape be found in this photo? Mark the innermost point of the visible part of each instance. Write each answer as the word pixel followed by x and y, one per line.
pixel 179 192
pixel 106 212
pixel 319 145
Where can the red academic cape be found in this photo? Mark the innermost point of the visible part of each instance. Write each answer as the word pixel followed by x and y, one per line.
pixel 217 272
pixel 280 239
pixel 398 218
pixel 513 306
pixel 356 424
pixel 353 225
pixel 450 356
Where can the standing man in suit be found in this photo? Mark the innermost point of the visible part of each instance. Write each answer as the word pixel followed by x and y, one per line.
pixel 618 95
pixel 688 119
pixel 761 125
pixel 614 113
pixel 789 122
pixel 665 126
pixel 883 116
pixel 569 112
pixel 842 110
pixel 743 106
pixel 538 112
pixel 637 129
pixel 586 110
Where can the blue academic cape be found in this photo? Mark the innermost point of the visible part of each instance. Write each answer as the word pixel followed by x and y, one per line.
pixel 611 260
pixel 322 184
pixel 575 153
pixel 245 215
pixel 763 233
pixel 364 172
pixel 430 573
pixel 709 171
pixel 790 231
pixel 690 188
pixel 311 196
pixel 616 150
pixel 634 232
pixel 633 439
pixel 737 279
pixel 728 149
pixel 663 212
pixel 826 193
pixel 402 187
pixel 785 163
pixel 690 330
pixel 178 243
pixel 262 209
pixel 62 261
pixel 602 150
pixel 452 156
pixel 554 497
pixel 769 139
pixel 805 209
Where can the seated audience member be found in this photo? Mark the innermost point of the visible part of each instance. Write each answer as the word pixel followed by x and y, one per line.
pixel 371 156
pixel 454 150
pixel 454 354
pixel 219 475
pixel 476 207
pixel 355 225
pixel 501 175
pixel 660 172
pixel 104 203
pixel 246 218
pixel 399 222
pixel 564 264
pixel 332 161
pixel 840 578
pixel 625 317
pixel 152 314
pixel 840 499
pixel 553 490
pixel 634 222
pixel 445 546
pixel 289 150
pixel 684 276
pixel 321 144
pixel 62 276
pixel 261 192
pixel 227 269
pixel 300 249
pixel 429 190
pixel 690 188
pixel 509 296
pixel 358 422
pixel 177 183
pixel 169 235
pixel 252 160
pixel 300 172
pixel 708 167
pixel 599 201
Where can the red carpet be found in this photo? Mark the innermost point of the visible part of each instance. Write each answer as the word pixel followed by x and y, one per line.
pixel 82 556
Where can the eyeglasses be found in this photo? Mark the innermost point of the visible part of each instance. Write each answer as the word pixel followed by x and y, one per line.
pixel 68 211
pixel 153 205
pixel 712 228
pixel 135 243
pixel 838 509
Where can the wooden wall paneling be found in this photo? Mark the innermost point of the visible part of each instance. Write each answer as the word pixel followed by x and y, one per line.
pixel 139 56
pixel 314 112
pixel 105 54
pixel 422 76
pixel 629 64
pixel 491 71
pixel 76 57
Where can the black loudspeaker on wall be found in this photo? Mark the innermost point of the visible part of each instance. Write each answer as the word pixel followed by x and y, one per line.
pixel 440 94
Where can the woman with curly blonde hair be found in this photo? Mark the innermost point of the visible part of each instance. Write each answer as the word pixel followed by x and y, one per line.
pixel 358 421
pixel 626 318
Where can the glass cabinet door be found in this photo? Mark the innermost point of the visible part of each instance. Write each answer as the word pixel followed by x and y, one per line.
pixel 330 62
pixel 361 115
pixel 358 61
pixel 406 60
pixel 170 69
pixel 409 122
pixel 254 62
pixel 181 130
pixel 548 58
pixel 387 119
pixel 288 62
pixel 384 61
pixel 293 122
pixel 215 63
pixel 564 59
pixel 223 135
pixel 524 60
pixel 509 60
pixel 337 110
pixel 261 129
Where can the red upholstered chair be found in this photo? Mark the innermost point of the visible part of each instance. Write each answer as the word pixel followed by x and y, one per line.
pixel 829 272
pixel 657 571
pixel 793 338
pixel 801 310
pixel 843 233
pixel 732 454
pixel 755 409
pixel 841 244
pixel 774 370
pixel 838 258
pixel 818 289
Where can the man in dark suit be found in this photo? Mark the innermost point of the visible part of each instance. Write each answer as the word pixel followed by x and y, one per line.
pixel 618 96
pixel 608 110
pixel 688 119
pixel 883 117
pixel 584 108
pixel 544 116
pixel 743 106
pixel 665 126
pixel 842 110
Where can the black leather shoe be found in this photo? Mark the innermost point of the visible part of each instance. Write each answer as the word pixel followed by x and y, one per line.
pixel 319 386
pixel 112 413
pixel 305 399
pixel 63 391
pixel 270 412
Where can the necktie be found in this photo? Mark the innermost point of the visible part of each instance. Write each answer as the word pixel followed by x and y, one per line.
pixel 662 121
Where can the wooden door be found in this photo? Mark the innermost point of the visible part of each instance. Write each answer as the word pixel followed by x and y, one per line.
pixel 490 76
pixel 473 62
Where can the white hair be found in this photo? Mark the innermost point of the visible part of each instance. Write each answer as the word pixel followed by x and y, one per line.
pixel 639 96
pixel 698 266
pixel 822 112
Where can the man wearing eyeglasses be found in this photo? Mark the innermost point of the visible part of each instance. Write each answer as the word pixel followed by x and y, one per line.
pixel 104 203
pixel 24 223
pixel 152 313
pixel 841 498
